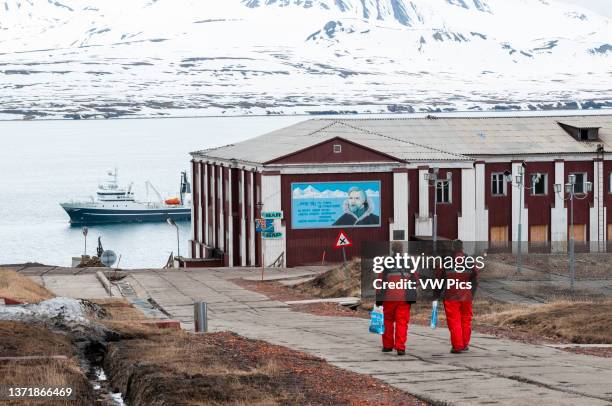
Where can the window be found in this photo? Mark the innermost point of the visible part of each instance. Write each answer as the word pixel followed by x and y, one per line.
pixel 498 184
pixel 610 184
pixel 580 180
pixel 337 148
pixel 443 191
pixel 539 184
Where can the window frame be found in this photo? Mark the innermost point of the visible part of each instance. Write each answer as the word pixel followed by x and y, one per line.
pixel 448 185
pixel 544 178
pixel 503 182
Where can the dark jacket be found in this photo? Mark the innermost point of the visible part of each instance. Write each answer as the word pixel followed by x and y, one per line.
pixel 397 295
pixel 454 293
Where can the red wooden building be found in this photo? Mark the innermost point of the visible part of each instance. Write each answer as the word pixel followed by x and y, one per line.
pixel 368 177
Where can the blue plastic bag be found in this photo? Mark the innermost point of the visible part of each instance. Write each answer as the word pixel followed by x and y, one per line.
pixel 434 314
pixel 377 321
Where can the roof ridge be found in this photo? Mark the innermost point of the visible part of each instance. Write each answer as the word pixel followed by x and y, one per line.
pixel 444 117
pixel 333 122
pixel 406 141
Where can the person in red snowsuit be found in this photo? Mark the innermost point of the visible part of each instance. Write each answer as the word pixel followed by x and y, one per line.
pixel 458 306
pixel 396 307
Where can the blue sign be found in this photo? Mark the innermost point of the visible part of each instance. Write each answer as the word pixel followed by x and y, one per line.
pixel 335 204
pixel 264 225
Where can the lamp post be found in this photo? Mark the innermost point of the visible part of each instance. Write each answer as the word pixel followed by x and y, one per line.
pixel 434 181
pixel 571 194
pixel 259 206
pixel 178 242
pixel 519 183
pixel 85 232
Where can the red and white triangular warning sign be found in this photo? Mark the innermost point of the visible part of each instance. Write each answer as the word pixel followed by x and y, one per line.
pixel 343 240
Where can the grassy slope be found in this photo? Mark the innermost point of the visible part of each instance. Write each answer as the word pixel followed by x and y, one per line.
pixel 22 288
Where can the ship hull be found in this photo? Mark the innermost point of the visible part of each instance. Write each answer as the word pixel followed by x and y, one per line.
pixel 90 215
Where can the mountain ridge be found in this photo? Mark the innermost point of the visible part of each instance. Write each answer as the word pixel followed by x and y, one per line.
pixel 82 58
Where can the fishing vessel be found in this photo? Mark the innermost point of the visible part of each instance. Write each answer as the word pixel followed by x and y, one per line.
pixel 116 204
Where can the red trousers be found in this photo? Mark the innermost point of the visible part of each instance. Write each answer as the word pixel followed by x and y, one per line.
pixel 397 316
pixel 459 321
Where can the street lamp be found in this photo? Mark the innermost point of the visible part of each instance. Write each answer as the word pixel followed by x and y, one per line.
pixel 85 232
pixel 437 183
pixel 570 191
pixel 178 242
pixel 259 206
pixel 519 183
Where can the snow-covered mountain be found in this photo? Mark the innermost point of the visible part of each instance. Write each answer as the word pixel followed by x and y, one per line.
pixel 82 58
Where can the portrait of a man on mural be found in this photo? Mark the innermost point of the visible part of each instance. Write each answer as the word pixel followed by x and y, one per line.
pixel 357 210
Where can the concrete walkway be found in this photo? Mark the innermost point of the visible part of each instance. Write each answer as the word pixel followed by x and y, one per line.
pixel 494 372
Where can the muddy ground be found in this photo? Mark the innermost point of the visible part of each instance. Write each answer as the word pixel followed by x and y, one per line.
pixel 224 368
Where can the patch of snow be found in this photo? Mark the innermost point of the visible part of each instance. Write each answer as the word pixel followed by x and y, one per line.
pixel 60 308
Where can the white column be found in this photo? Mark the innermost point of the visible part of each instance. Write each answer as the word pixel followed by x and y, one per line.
pixel 558 213
pixel 220 231
pixel 482 214
pixel 519 204
pixel 214 194
pixel 597 213
pixel 467 220
pixel 400 205
pixel 271 196
pixel 198 204
pixel 423 223
pixel 252 225
pixel 192 247
pixel 243 236
pixel 230 217
pixel 206 237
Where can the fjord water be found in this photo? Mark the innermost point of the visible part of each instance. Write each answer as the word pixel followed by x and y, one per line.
pixel 43 163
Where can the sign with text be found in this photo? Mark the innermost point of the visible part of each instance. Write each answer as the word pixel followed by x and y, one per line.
pixel 272 215
pixel 271 235
pixel 335 204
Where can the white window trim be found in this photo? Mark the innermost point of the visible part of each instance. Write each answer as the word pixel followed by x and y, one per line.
pixel 545 177
pixel 504 184
pixel 610 182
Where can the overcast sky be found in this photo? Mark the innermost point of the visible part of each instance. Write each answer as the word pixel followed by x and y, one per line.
pixel 601 6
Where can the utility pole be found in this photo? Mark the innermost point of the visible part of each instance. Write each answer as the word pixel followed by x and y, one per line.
pixel 570 194
pixel 260 206
pixel 519 182
pixel 438 184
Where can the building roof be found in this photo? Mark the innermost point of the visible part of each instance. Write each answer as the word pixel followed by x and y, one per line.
pixel 428 139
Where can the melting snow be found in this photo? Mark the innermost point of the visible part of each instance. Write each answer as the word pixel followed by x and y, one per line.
pixel 59 308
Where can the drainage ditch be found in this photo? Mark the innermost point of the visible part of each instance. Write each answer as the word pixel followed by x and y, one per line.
pixel 92 361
